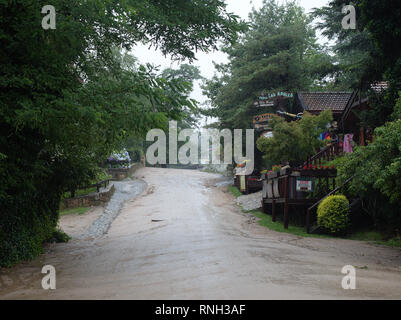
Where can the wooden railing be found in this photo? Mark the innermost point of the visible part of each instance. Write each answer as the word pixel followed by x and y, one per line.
pixel 327 154
pixel 308 212
pixel 97 185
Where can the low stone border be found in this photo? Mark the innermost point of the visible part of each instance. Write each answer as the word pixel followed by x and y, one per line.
pixel 92 199
pixel 119 174
pixel 125 190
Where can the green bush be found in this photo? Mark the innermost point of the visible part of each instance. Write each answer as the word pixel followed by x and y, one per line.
pixel 333 213
pixel 59 236
pixel 29 198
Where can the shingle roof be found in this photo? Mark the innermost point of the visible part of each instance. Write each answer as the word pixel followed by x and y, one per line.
pixel 320 101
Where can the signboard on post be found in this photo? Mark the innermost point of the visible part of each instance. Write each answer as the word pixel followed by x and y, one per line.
pixel 305 184
pixel 264 103
pixel 263 118
pixel 261 127
pixel 261 122
pixel 272 99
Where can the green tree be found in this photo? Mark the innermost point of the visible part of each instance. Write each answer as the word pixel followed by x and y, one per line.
pixel 68 98
pixel 187 74
pixel 294 141
pixel 368 54
pixel 278 52
pixel 377 169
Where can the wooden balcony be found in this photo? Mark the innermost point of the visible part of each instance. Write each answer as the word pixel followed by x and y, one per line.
pixel 293 187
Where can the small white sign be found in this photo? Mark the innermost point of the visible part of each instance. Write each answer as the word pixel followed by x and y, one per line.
pixel 268 134
pixel 305 185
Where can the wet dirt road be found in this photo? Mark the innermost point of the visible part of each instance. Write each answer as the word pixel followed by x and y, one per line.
pixel 184 238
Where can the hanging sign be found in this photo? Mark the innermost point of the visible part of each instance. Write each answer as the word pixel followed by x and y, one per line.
pixel 276 95
pixel 263 103
pixel 261 122
pixel 271 99
pixel 263 117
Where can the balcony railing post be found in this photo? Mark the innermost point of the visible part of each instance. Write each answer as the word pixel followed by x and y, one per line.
pixel 308 220
pixel 286 203
pixel 274 210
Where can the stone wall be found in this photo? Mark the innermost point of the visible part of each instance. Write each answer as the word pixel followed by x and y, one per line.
pixel 119 174
pixel 92 199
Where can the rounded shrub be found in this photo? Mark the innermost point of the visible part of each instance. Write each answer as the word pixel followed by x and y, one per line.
pixel 333 213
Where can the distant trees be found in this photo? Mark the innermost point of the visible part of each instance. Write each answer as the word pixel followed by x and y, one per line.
pixel 278 52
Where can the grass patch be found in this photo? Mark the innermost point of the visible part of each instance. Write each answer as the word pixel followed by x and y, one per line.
pixel 395 243
pixel 266 221
pixel 377 237
pixel 366 236
pixel 374 236
pixel 234 191
pixel 80 210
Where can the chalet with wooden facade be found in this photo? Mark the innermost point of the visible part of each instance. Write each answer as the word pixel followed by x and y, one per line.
pixel 295 187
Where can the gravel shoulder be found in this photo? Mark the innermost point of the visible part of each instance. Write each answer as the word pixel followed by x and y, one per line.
pixel 77 224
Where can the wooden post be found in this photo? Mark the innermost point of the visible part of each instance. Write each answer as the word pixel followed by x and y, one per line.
pixel 274 210
pixel 286 203
pixel 327 185
pixel 362 137
pixel 307 220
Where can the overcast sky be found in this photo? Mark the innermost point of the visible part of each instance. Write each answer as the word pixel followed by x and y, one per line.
pixel 241 8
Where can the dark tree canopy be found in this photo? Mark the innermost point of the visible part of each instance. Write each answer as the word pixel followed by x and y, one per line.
pixel 68 98
pixel 279 52
pixel 369 54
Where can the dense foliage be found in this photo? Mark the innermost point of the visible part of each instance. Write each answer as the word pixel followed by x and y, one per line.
pixel 377 170
pixel 294 141
pixel 333 213
pixel 68 98
pixel 278 52
pixel 369 54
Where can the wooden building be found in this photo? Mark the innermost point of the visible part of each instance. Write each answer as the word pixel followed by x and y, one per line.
pixel 317 102
pixel 345 107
